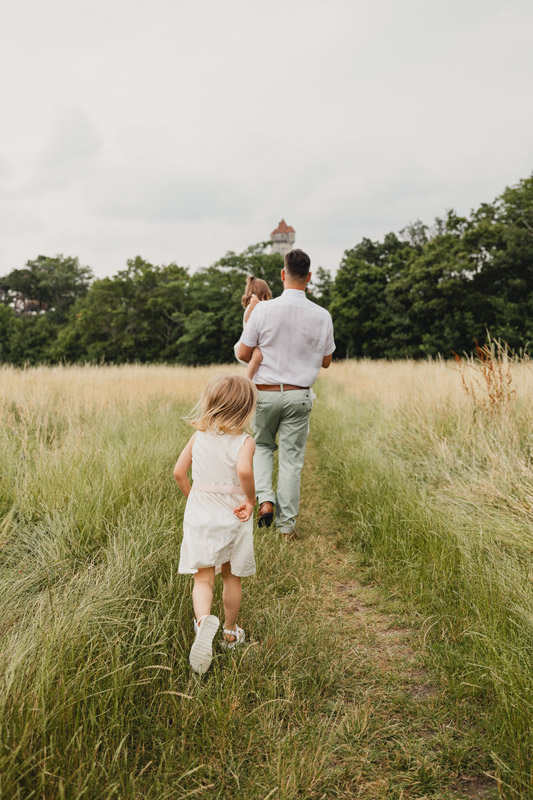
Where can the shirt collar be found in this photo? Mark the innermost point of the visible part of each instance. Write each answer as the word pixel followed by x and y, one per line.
pixel 296 293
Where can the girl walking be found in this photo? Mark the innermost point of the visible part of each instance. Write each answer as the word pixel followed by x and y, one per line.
pixel 218 523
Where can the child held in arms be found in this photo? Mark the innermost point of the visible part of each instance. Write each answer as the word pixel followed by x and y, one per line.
pixel 218 523
pixel 255 291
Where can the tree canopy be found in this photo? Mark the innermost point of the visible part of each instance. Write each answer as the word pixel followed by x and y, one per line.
pixel 419 292
pixel 432 290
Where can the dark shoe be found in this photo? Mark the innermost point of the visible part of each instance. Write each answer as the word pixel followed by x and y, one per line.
pixel 265 516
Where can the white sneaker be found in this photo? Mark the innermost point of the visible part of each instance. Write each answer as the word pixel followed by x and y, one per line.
pixel 201 653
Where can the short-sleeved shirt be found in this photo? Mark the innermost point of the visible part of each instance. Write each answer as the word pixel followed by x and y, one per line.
pixel 294 335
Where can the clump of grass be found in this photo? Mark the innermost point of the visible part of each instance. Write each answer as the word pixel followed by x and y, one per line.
pixel 489 382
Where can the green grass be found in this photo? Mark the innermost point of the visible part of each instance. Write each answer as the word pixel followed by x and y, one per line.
pixel 97 696
pixel 334 694
pixel 439 505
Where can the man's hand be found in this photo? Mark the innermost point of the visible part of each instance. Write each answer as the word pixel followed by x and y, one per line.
pixel 254 300
pixel 244 511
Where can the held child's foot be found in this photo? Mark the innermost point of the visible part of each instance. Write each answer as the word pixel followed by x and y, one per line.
pixel 232 637
pixel 201 653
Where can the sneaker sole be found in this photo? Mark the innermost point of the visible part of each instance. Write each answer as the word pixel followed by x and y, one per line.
pixel 201 653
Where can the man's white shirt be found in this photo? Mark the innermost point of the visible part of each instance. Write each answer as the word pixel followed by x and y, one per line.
pixel 294 335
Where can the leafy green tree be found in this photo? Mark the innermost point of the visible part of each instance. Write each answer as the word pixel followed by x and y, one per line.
pixel 427 290
pixel 436 301
pixel 439 289
pixel 7 329
pixel 47 284
pixel 359 302
pixel 500 237
pixel 320 287
pixel 255 260
pixel 138 315
pixel 39 296
pixel 199 343
pixel 214 322
pixel 31 338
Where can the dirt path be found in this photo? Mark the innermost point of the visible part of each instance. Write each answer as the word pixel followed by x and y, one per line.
pixel 398 736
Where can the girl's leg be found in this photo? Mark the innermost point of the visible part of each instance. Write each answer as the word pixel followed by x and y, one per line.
pixel 201 653
pixel 253 364
pixel 202 593
pixel 231 597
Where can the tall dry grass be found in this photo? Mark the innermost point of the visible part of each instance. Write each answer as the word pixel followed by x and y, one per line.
pixel 96 697
pixel 89 534
pixel 436 481
pixel 97 700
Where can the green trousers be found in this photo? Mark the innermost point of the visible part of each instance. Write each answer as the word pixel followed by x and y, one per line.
pixel 285 415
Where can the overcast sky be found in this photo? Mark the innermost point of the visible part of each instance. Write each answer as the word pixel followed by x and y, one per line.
pixel 179 130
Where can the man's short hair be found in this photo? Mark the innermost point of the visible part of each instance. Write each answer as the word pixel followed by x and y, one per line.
pixel 297 263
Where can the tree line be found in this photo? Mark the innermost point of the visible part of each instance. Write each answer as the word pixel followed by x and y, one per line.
pixel 424 291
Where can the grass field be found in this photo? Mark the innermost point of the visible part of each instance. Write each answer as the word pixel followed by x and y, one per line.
pixel 390 647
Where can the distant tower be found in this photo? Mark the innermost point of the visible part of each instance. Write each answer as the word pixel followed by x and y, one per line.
pixel 283 238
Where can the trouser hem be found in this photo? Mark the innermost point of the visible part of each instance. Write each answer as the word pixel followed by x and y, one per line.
pixel 266 497
pixel 284 530
pixel 286 526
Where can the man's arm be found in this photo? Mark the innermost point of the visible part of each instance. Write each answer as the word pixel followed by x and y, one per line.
pixel 244 352
pixel 330 346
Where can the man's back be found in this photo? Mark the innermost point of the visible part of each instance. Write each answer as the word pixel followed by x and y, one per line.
pixel 294 334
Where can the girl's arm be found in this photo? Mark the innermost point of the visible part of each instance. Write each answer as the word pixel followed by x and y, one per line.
pixel 254 300
pixel 183 465
pixel 246 480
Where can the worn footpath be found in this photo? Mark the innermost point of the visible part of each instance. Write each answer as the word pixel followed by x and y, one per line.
pixel 397 735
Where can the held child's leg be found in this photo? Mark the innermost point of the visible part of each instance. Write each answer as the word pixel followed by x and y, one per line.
pixel 253 364
pixel 202 593
pixel 231 598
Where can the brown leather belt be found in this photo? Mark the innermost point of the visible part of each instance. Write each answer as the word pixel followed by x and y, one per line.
pixel 277 387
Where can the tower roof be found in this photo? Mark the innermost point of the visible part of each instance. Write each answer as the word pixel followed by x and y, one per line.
pixel 283 228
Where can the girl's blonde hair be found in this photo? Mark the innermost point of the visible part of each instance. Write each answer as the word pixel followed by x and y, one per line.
pixel 226 406
pixel 258 287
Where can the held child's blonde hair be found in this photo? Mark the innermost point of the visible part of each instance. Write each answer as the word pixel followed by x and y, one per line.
pixel 226 406
pixel 256 286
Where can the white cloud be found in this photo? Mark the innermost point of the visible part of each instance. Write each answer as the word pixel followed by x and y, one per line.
pixel 67 156
pixel 180 130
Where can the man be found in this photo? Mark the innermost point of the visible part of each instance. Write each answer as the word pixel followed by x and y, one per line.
pixel 295 337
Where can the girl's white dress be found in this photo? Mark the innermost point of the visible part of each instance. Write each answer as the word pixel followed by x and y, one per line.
pixel 212 534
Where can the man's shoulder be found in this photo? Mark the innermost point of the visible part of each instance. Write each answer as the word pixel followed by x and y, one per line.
pixel 309 305
pixel 315 308
pixel 269 305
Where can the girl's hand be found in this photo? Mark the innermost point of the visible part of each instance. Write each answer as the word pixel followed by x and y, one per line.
pixel 254 300
pixel 244 511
